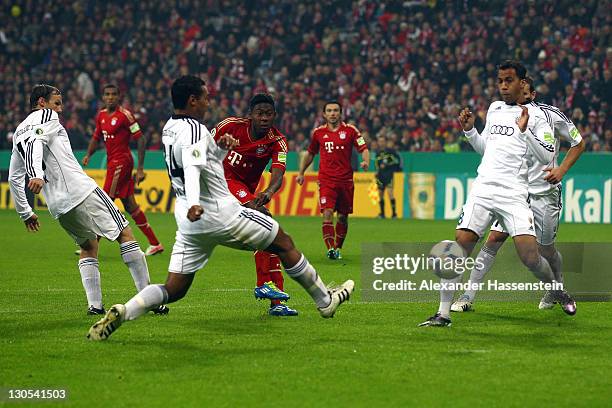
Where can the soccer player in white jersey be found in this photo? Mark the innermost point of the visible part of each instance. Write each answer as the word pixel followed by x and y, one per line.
pixel 512 133
pixel 42 151
pixel 545 202
pixel 207 215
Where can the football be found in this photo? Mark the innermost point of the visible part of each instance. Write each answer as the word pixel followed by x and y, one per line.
pixel 443 258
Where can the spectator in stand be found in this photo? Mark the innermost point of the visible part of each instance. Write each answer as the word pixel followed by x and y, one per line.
pixel 386 62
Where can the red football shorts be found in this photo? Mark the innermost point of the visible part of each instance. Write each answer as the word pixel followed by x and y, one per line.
pixel 338 197
pixel 240 191
pixel 119 182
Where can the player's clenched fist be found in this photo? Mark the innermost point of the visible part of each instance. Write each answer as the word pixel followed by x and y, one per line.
pixel 35 185
pixel 32 223
pixel 466 119
pixel 300 179
pixel 523 119
pixel 195 213
pixel 227 142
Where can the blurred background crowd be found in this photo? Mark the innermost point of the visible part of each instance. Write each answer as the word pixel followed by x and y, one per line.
pixel 401 69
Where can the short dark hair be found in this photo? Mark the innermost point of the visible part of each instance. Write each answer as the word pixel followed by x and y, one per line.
pixel 105 87
pixel 183 88
pixel 529 81
pixel 42 91
pixel 519 68
pixel 332 102
pixel 261 98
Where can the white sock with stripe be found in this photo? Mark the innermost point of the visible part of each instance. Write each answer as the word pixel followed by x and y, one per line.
pixel 446 297
pixel 90 276
pixel 486 257
pixel 305 275
pixel 136 262
pixel 147 299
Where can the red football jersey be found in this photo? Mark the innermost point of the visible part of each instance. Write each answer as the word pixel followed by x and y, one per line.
pixel 247 161
pixel 117 129
pixel 335 149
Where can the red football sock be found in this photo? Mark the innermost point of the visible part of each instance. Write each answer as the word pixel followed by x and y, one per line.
pixel 328 234
pixel 341 230
pixel 276 273
pixel 262 267
pixel 141 222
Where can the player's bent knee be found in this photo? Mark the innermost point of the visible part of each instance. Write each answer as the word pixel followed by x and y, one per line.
pixel 126 235
pixel 343 218
pixel 281 244
pixel 547 251
pixel 328 214
pixel 177 285
pixel 496 237
pixel 530 258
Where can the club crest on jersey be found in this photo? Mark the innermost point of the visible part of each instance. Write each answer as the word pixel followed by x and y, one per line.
pixel 343 135
pixel 39 131
pixel 113 121
pixel 195 153
pixel 260 150
pixel 242 193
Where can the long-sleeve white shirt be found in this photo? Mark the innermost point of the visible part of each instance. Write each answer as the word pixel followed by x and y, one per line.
pixel 41 149
pixel 195 166
pixel 563 128
pixel 506 150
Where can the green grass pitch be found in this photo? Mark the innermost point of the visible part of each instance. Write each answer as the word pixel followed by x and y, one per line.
pixel 218 347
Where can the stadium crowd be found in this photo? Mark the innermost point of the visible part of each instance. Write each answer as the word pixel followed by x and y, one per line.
pixel 402 69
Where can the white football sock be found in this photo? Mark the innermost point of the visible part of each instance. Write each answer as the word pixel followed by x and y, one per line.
pixel 542 271
pixel 484 262
pixel 446 297
pixel 90 276
pixel 136 262
pixel 305 275
pixel 555 262
pixel 147 299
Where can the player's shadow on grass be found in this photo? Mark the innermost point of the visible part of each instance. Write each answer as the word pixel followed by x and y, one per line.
pixel 542 319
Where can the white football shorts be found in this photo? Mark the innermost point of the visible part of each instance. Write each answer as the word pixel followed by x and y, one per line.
pixel 479 213
pixel 96 216
pixel 250 230
pixel 546 214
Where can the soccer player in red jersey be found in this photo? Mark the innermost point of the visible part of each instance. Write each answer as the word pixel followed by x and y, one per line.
pixel 258 143
pixel 334 142
pixel 117 126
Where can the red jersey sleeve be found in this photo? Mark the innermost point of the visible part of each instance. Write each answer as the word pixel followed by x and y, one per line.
pixel 358 140
pixel 279 156
pixel 131 124
pixel 314 144
pixel 97 134
pixel 223 127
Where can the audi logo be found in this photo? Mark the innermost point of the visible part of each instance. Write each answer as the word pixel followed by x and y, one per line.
pixel 502 130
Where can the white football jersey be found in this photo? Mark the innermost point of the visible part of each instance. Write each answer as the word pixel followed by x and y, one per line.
pixel 187 142
pixel 506 151
pixel 41 149
pixel 563 128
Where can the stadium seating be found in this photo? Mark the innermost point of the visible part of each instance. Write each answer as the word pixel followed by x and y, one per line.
pixel 401 69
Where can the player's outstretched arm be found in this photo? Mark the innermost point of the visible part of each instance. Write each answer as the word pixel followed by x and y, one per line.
pixel 556 174
pixel 142 145
pixel 478 141
pixel 17 173
pixel 365 160
pixel 91 149
pixel 276 180
pixel 307 161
